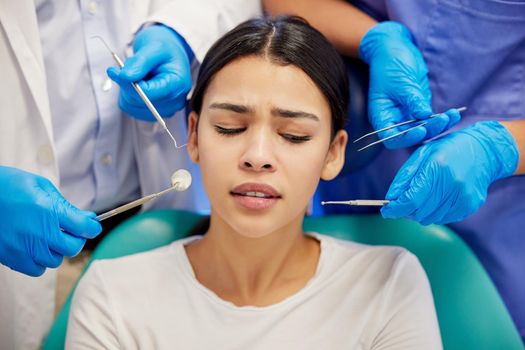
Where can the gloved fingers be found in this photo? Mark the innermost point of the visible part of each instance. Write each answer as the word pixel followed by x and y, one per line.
pixel 139 110
pixel 450 217
pixel 167 103
pixel 442 122
pixel 62 214
pixel 414 100
pixel 406 173
pixel 424 85
pixel 464 204
pixel 63 243
pixel 401 207
pixel 437 200
pixel 382 111
pixel 436 125
pixel 167 86
pixel 410 200
pixel 144 60
pixel 128 95
pixel 142 113
pixel 32 269
pixel 169 108
pixel 440 214
pixel 18 258
pixel 26 266
pixel 77 222
pixel 454 117
pixel 48 258
pixel 158 84
pixel 73 220
pixel 384 114
pixel 114 74
pixel 410 138
pixel 413 103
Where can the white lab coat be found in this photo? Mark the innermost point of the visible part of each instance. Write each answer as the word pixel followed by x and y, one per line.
pixel 26 132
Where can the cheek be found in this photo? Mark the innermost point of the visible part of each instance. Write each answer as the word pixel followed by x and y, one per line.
pixel 304 170
pixel 216 161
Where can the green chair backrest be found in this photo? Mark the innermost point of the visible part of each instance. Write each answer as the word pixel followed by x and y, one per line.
pixel 470 311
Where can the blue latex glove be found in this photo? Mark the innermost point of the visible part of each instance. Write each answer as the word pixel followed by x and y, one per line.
pixel 32 212
pixel 399 88
pixel 161 65
pixel 447 179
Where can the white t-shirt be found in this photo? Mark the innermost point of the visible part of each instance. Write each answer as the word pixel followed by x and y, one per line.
pixel 361 297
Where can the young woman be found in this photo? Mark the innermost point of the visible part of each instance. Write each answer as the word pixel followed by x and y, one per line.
pixel 267 124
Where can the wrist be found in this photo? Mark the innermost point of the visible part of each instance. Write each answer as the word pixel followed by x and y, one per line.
pixel 500 146
pixel 384 32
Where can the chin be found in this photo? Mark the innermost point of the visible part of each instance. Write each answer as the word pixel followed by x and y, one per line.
pixel 255 227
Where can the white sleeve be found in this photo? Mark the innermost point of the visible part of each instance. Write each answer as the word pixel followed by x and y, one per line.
pixel 409 315
pixel 202 22
pixel 90 324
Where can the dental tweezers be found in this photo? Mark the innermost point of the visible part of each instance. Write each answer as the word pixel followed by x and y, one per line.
pixel 423 122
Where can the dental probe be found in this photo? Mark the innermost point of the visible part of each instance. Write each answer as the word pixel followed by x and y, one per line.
pixel 360 202
pixel 180 181
pixel 141 93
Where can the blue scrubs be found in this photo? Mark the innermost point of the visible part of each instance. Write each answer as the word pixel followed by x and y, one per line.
pixel 475 53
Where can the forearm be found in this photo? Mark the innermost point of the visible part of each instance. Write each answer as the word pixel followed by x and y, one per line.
pixel 343 24
pixel 517 129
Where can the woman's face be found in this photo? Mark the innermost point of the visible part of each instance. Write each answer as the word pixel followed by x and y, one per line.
pixel 263 142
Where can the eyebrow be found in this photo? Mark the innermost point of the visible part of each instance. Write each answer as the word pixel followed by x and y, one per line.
pixel 279 112
pixel 286 113
pixel 232 107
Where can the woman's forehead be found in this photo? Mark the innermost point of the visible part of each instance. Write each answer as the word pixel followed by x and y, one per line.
pixel 257 81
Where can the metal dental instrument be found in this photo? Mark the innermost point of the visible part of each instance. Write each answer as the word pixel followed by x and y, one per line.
pixel 180 181
pixel 141 93
pixel 360 202
pixel 423 122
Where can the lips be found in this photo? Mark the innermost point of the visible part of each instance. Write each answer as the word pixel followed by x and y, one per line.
pixel 255 196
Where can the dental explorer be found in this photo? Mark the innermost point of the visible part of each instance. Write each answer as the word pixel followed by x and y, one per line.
pixel 141 93
pixel 360 202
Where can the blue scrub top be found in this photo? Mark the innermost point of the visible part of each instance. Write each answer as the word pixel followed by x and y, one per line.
pixel 475 53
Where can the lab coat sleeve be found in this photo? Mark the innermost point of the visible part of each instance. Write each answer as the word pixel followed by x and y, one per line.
pixel 202 22
pixel 91 324
pixel 408 311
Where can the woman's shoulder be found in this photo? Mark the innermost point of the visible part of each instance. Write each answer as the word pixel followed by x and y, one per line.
pixel 347 248
pixel 153 264
pixel 389 283
pixel 378 261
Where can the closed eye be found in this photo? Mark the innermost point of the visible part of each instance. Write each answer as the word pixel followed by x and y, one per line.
pixel 228 131
pixel 288 137
pixel 295 138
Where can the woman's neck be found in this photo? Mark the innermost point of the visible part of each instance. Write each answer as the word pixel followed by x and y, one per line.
pixel 254 271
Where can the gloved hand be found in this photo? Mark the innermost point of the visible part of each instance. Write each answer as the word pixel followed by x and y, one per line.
pixel 32 213
pixel 447 179
pixel 161 66
pixel 399 88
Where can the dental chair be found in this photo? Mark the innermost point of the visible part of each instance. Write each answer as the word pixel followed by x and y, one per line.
pixel 470 311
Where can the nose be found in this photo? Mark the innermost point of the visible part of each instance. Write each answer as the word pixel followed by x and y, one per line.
pixel 258 155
